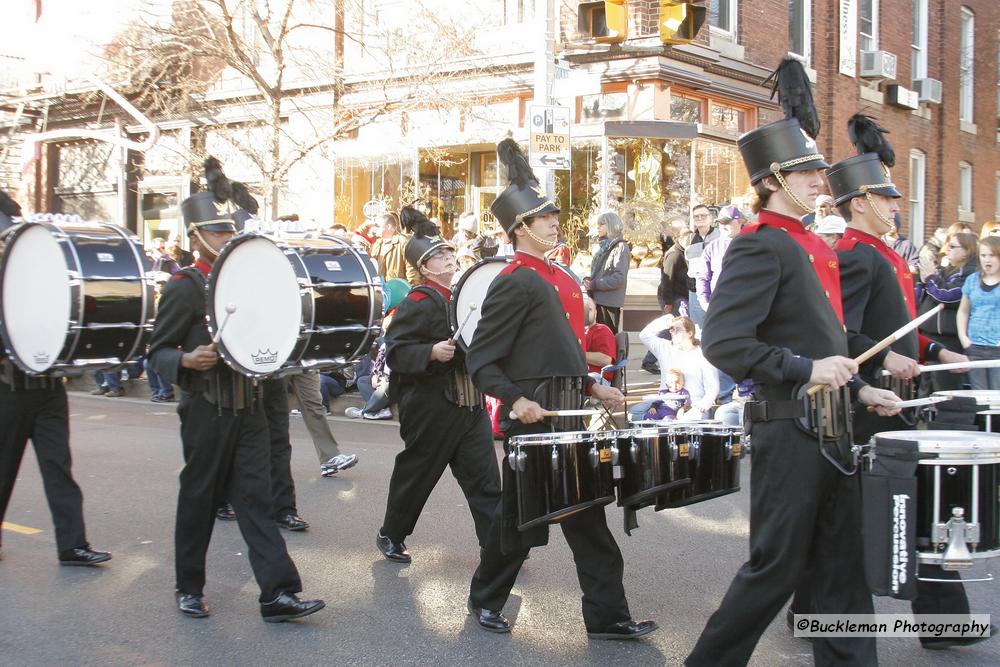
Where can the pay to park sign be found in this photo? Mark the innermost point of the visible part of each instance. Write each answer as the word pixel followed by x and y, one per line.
pixel 549 131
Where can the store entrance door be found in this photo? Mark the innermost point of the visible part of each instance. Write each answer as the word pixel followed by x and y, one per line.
pixel 160 213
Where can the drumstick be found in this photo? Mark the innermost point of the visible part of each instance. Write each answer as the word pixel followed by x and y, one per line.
pixel 886 342
pixel 230 309
pixel 916 403
pixel 562 413
pixel 982 363
pixel 458 332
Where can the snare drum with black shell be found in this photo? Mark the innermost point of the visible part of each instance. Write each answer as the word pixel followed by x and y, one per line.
pixel 712 452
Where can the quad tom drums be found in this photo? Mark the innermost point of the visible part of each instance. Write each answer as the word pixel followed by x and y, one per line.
pixel 709 454
pixel 73 297
pixel 296 304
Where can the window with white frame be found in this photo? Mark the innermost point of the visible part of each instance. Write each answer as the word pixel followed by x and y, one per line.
pixel 918 181
pixel 966 58
pixel 964 187
pixel 918 47
pixel 800 28
pixel 868 24
pixel 722 15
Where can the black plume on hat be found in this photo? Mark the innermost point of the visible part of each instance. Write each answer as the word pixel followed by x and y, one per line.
pixel 518 170
pixel 220 186
pixel 243 198
pixel 795 94
pixel 416 223
pixel 8 206
pixel 868 137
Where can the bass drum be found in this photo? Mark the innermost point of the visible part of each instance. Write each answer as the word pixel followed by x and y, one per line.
pixel 469 294
pixel 73 297
pixel 296 304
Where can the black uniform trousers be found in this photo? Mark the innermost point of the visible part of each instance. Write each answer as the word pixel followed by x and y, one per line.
pixel 276 410
pixel 609 316
pixel 438 434
pixel 42 416
pixel 599 565
pixel 227 457
pixel 805 520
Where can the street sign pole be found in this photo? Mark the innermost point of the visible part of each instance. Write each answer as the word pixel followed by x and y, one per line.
pixel 545 11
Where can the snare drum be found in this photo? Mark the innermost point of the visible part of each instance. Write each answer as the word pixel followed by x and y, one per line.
pixel 559 474
pixel 650 464
pixel 300 304
pixel 958 475
pixel 987 401
pixel 73 297
pixel 712 452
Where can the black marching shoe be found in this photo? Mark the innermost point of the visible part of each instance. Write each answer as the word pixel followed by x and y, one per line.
pixel 625 630
pixel 83 556
pixel 491 621
pixel 944 643
pixel 292 522
pixel 225 513
pixel 288 607
pixel 394 551
pixel 192 605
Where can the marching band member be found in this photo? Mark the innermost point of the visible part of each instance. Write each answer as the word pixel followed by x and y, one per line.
pixel 776 318
pixel 224 433
pixel 441 416
pixel 528 349
pixel 878 298
pixel 35 408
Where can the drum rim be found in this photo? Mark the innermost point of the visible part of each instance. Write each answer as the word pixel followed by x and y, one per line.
pixel 991 445
pixel 973 393
pixel 535 439
pixel 456 292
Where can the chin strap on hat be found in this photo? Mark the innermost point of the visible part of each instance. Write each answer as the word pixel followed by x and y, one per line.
pixel 205 244
pixel 866 189
pixel 550 244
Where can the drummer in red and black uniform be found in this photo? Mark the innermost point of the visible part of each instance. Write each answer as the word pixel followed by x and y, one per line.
pixel 35 408
pixel 776 319
pixel 442 419
pixel 224 433
pixel 878 297
pixel 528 351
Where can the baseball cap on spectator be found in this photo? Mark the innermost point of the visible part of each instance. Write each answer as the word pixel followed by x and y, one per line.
pixel 728 213
pixel 831 224
pixel 824 200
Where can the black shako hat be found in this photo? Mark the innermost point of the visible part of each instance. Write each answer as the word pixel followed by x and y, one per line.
pixel 789 144
pixel 420 248
pixel 524 197
pixel 426 239
pixel 202 212
pixel 868 171
pixel 9 209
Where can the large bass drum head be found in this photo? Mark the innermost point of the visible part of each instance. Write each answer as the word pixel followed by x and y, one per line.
pixel 35 299
pixel 470 292
pixel 253 274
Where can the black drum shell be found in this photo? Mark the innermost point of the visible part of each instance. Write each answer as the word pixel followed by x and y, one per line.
pixel 557 479
pixel 650 465
pixel 957 491
pixel 713 464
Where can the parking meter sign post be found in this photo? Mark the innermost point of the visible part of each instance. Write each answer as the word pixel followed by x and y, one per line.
pixel 549 146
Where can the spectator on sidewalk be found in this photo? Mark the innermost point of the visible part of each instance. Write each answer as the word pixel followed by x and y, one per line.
pixel 161 391
pixel 306 387
pixel 682 352
pixel 701 225
pixel 609 270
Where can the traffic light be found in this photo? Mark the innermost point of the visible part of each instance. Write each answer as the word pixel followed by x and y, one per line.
pixel 606 21
pixel 680 20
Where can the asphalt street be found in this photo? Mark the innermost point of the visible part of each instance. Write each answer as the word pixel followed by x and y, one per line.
pixel 127 456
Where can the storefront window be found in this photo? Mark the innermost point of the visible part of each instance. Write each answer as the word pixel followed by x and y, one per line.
pixel 359 181
pixel 727 118
pixel 444 176
pixel 685 109
pixel 719 175
pixel 161 216
pixel 607 106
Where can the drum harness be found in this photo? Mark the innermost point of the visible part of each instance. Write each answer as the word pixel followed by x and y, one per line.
pixel 826 415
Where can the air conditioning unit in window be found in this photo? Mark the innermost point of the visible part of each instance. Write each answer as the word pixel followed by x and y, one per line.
pixel 878 65
pixel 928 90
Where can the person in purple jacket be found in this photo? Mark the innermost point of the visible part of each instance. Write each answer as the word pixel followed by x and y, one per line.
pixel 729 221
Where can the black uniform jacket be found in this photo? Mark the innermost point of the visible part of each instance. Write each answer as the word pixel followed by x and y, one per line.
pixel 873 306
pixel 420 322
pixel 770 316
pixel 524 336
pixel 180 327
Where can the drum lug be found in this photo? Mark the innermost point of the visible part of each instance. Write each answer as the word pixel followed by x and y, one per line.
pixel 555 458
pixel 957 534
pixel 516 460
pixel 594 457
pixel 729 450
pixel 673 451
pixel 694 448
pixel 614 454
pixel 633 451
